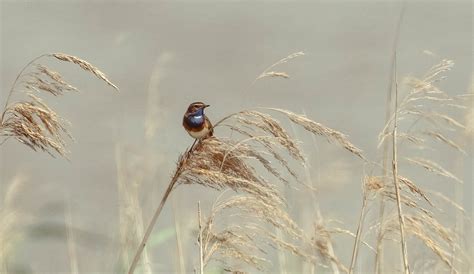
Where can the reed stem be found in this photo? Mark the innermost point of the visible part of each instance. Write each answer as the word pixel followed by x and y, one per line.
pixel 153 221
pixel 395 178
pixel 201 258
pixel 358 233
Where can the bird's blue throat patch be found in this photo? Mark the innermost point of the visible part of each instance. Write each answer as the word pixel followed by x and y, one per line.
pixel 196 119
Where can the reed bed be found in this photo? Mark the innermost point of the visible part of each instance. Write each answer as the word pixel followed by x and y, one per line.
pixel 251 220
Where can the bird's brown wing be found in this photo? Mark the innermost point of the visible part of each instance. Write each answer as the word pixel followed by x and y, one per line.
pixel 208 123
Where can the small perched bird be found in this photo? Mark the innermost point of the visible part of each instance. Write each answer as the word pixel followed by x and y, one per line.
pixel 195 121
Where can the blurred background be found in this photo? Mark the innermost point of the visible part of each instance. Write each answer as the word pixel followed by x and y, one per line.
pixel 164 55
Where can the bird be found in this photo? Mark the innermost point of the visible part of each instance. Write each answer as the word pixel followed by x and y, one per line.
pixel 196 123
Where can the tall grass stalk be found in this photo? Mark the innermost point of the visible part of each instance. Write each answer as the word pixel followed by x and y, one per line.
pixel 386 146
pixel 129 180
pixel 178 235
pixel 151 225
pixel 12 221
pixel 318 216
pixel 360 224
pixel 201 254
pixel 396 183
pixel 71 242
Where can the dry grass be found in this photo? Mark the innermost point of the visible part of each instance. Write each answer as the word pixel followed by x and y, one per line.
pixel 220 163
pixel 431 166
pixel 425 125
pixel 268 73
pixel 321 242
pixel 432 234
pixel 423 118
pixel 29 120
pixel 260 143
pixel 247 237
pixel 34 124
pixel 319 129
pixel 85 66
pixel 253 165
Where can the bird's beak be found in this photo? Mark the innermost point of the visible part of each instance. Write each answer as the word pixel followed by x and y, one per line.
pixel 205 106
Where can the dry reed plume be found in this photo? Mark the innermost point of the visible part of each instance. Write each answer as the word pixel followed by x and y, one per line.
pixel 268 73
pixel 245 240
pixel 29 120
pixel 32 122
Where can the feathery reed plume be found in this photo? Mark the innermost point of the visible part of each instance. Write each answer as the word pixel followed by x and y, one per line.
pixel 34 124
pixel 424 90
pixel 245 243
pixel 85 66
pixel 418 110
pixel 444 139
pixel 271 214
pixel 233 242
pixel 268 73
pixel 432 234
pixel 433 167
pixel 320 129
pixel 30 121
pixel 321 243
pixel 222 163
pixel 274 74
